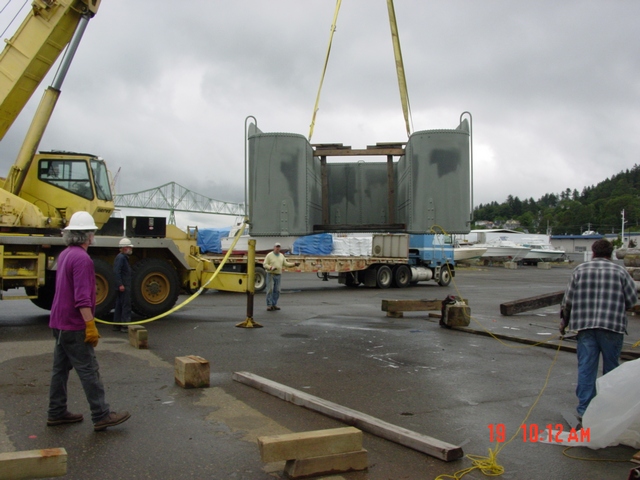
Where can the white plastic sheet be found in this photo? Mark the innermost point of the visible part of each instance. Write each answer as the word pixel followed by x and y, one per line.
pixel 613 416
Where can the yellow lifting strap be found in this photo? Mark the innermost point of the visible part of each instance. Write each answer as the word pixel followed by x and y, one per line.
pixel 402 81
pixel 324 70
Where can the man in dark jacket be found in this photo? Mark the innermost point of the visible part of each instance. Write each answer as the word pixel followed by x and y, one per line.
pixel 122 270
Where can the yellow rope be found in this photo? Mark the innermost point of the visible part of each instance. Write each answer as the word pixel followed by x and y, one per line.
pixel 324 69
pixel 192 297
pixel 489 465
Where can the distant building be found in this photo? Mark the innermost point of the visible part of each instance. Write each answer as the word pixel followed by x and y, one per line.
pixel 582 243
pixel 512 224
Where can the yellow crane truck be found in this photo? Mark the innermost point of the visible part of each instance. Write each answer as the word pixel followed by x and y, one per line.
pixel 42 190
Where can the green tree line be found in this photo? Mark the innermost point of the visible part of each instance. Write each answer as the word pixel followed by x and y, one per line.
pixel 598 208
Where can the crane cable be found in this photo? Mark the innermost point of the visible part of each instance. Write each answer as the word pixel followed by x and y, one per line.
pixel 397 52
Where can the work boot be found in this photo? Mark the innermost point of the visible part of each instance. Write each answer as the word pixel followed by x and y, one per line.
pixel 111 420
pixel 276 308
pixel 68 417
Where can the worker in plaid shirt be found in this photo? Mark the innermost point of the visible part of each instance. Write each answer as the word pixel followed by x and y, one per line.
pixel 594 305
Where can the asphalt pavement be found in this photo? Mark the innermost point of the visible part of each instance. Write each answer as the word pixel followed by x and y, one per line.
pixel 330 341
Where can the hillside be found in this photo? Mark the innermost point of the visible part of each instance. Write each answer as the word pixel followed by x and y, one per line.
pixel 598 208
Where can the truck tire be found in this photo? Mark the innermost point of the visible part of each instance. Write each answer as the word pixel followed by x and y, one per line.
pixel 260 279
pixel 45 292
pixel 445 276
pixel 105 288
pixel 384 276
pixel 401 276
pixel 155 287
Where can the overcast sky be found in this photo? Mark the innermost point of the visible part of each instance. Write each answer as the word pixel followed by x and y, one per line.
pixel 161 89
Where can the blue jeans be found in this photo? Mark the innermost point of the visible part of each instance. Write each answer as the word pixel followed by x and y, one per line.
pixel 592 343
pixel 273 289
pixel 71 352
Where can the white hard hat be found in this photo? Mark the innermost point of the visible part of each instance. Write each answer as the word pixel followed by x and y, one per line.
pixel 125 242
pixel 81 221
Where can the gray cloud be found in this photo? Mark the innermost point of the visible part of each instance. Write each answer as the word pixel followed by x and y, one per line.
pixel 161 89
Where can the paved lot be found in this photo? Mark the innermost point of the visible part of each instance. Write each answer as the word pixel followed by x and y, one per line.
pixel 329 341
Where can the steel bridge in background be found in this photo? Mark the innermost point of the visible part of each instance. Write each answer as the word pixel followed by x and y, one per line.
pixel 176 198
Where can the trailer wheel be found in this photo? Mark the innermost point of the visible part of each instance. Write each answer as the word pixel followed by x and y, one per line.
pixel 260 279
pixel 384 276
pixel 445 276
pixel 155 287
pixel 105 288
pixel 45 292
pixel 401 276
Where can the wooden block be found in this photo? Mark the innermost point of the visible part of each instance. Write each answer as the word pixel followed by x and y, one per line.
pixel 393 306
pixel 294 446
pixel 192 372
pixel 50 462
pixel 138 337
pixel 421 443
pixel 328 464
pixel 531 303
pixel 511 265
pixel 544 265
pixel 457 315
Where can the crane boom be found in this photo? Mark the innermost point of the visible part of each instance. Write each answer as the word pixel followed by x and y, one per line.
pixel 33 49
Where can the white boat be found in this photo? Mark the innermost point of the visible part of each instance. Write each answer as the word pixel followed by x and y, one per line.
pixel 504 250
pixel 541 252
pixel 467 252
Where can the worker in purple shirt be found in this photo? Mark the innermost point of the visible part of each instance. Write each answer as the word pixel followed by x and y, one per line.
pixel 74 329
pixel 595 305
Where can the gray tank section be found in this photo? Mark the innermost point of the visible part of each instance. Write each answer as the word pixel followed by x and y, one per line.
pixel 431 186
pixel 433 181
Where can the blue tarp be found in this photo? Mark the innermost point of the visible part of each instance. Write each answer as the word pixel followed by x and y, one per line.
pixel 209 239
pixel 319 244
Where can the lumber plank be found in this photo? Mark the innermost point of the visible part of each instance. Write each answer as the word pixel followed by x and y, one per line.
pixel 410 305
pixel 625 355
pixel 531 303
pixel 46 463
pixel 328 464
pixel 422 443
pixel 295 446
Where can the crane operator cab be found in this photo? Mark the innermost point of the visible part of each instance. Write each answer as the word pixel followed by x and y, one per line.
pixel 61 183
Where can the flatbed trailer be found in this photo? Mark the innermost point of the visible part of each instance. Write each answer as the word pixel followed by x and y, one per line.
pixel 417 260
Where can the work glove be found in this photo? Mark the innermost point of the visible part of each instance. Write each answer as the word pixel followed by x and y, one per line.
pixel 91 334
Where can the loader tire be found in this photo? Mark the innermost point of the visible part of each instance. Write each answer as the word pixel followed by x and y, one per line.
pixel 155 287
pixel 106 289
